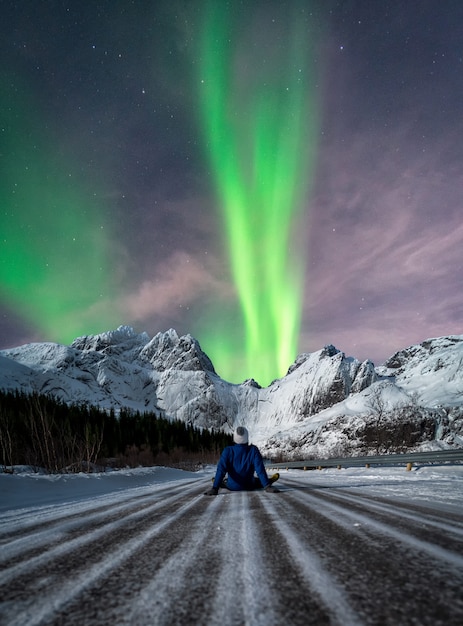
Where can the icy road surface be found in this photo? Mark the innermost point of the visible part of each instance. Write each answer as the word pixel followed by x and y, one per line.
pixel 334 547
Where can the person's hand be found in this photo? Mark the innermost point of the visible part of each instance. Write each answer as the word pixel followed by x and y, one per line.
pixel 212 492
pixel 271 489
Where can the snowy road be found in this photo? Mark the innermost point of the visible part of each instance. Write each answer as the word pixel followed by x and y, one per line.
pixel 331 548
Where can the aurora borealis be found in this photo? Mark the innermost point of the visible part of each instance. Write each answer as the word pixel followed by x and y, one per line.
pixel 268 176
pixel 55 258
pixel 260 128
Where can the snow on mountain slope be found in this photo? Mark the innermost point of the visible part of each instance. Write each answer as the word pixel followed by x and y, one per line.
pixel 325 398
pixel 432 370
pixel 115 369
pixel 420 387
pixel 14 375
pixel 314 382
pixel 380 419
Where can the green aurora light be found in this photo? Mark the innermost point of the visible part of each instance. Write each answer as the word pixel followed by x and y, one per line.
pixel 259 117
pixel 54 262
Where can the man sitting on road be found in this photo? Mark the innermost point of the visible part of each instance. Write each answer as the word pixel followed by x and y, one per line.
pixel 240 461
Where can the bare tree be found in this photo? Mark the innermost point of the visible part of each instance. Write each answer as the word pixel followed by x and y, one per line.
pixel 6 441
pixel 379 407
pixel 93 439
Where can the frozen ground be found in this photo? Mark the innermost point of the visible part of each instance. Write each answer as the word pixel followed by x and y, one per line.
pixel 352 546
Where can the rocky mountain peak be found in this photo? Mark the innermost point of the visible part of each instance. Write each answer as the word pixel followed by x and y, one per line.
pixel 169 351
pixel 438 347
pixel 123 336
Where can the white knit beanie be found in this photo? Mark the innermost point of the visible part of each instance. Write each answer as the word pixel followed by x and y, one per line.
pixel 241 435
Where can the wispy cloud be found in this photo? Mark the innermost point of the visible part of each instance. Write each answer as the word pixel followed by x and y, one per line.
pixel 386 246
pixel 179 281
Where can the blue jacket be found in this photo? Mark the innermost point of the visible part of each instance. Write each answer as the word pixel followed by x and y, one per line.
pixel 240 461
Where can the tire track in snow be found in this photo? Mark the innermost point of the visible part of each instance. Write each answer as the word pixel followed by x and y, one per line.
pixel 243 596
pixel 33 537
pixel 170 579
pixel 39 609
pixel 276 589
pixel 302 557
pixel 86 538
pixel 262 606
pixel 213 565
pixel 49 516
pixel 363 515
pixel 194 569
pixel 321 582
pixel 380 565
pixel 401 514
pixel 215 573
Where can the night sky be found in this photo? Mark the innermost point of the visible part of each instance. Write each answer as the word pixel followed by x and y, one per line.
pixel 268 176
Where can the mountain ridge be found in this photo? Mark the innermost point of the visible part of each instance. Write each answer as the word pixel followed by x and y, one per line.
pixel 317 407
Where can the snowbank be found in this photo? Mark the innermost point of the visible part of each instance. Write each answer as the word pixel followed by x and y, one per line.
pixel 26 488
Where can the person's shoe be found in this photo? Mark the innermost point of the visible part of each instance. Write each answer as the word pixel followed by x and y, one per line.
pixel 274 478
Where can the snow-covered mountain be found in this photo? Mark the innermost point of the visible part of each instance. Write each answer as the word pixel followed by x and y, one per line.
pixel 327 404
